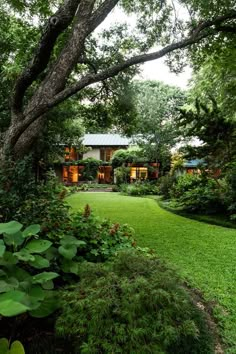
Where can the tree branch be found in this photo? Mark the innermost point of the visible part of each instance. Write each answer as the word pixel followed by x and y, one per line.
pixel 101 13
pixel 55 26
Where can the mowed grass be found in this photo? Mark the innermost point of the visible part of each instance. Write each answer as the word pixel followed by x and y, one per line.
pixel 203 254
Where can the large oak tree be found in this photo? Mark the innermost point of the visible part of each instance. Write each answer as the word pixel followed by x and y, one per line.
pixel 73 54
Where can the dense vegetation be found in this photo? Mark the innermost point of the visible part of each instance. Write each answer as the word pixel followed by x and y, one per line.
pixel 133 305
pixel 203 254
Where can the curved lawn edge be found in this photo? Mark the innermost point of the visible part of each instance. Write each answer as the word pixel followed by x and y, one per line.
pixel 207 219
pixel 203 254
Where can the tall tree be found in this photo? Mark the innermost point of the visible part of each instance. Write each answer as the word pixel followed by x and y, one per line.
pixel 157 107
pixel 73 54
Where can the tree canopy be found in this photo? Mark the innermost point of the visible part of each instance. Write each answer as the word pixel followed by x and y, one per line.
pixel 68 50
pixel 157 109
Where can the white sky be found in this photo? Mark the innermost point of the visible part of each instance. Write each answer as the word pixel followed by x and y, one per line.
pixel 158 70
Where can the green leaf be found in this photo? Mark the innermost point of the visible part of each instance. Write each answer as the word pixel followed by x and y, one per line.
pixel 39 262
pixel 2 248
pixel 11 227
pixel 14 239
pixel 48 285
pixel 24 255
pixel 44 277
pixel 47 307
pixel 68 251
pixel 8 259
pixel 9 284
pixel 17 348
pixel 38 246
pixel 71 240
pixel 69 266
pixel 51 253
pixel 31 230
pixel 4 345
pixel 9 308
pixel 37 292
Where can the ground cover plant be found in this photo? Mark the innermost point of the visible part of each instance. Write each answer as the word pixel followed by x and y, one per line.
pixel 203 254
pixel 134 304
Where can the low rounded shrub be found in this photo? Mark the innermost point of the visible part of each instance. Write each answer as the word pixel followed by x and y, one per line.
pixel 133 305
pixel 139 188
pixel 197 193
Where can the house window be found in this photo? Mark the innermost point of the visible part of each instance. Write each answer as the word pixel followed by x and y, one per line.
pixel 106 154
pixel 70 174
pixel 138 173
pixel 71 154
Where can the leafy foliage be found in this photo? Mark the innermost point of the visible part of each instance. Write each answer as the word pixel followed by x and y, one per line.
pixel 217 134
pixel 122 175
pixel 15 347
pixel 23 288
pixel 197 193
pixel 157 131
pixel 103 238
pixel 139 188
pixel 135 304
pixel 90 170
pixel 164 185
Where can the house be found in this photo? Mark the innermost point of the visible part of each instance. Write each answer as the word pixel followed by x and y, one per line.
pixel 100 147
pixel 193 166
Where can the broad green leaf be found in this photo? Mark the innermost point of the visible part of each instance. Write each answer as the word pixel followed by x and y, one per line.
pixel 46 308
pixel 69 266
pixel 31 230
pixel 11 227
pixel 14 239
pixel 17 348
pixel 9 284
pixel 4 345
pixel 44 277
pixel 2 248
pixel 48 285
pixel 51 253
pixel 8 259
pixel 38 246
pixel 9 308
pixel 37 292
pixel 68 251
pixel 71 240
pixel 15 295
pixel 39 262
pixel 24 255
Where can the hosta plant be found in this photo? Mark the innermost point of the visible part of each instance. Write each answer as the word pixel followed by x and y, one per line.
pixel 26 261
pixel 24 283
pixel 11 348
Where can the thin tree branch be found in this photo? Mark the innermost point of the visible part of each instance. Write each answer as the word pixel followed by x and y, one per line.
pixel 55 26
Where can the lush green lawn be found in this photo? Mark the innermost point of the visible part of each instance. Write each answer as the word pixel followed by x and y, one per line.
pixel 204 254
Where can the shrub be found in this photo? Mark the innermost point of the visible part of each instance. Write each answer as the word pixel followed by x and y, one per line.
pixel 103 238
pixel 17 183
pixel 197 193
pixel 90 170
pixel 122 175
pixel 139 189
pixel 133 305
pixel 230 193
pixel 165 184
